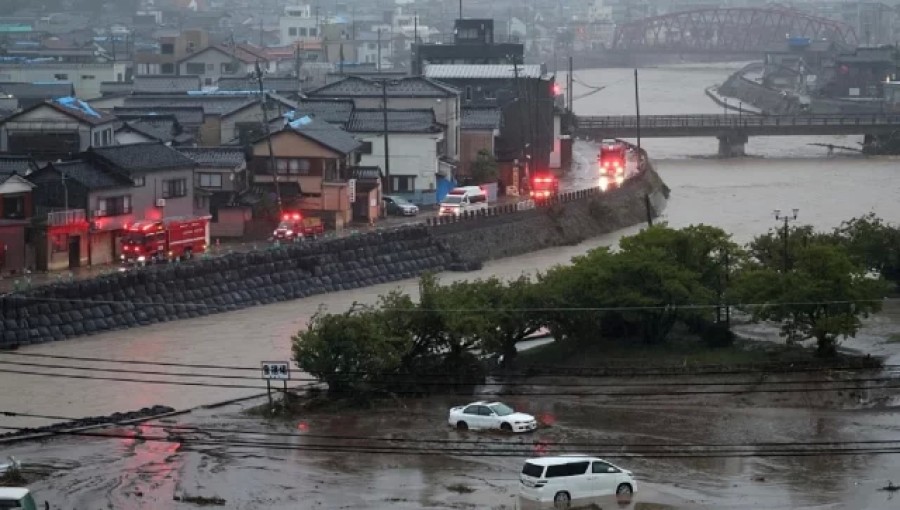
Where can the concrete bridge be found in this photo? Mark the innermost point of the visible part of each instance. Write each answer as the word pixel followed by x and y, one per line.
pixel 733 130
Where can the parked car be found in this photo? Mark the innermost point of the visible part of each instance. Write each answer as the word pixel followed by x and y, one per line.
pixel 399 206
pixel 573 480
pixel 490 415
pixel 462 200
pixel 16 497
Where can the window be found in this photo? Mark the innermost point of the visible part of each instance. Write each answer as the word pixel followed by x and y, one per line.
pixel 485 411
pixel 195 68
pixel 139 182
pixel 88 77
pixel 201 202
pixel 603 467
pixel 210 180
pixel 60 243
pixel 207 81
pixel 292 31
pixel 113 206
pixel 61 76
pixel 468 93
pixel 97 139
pixel 106 136
pixel 14 207
pixel 371 46
pixel 403 183
pixel 313 32
pixel 570 469
pixel 366 148
pixel 228 68
pixel 330 173
pixel 167 49
pixel 174 188
pixel 473 410
pixel 167 68
pixel 532 470
pixel 477 199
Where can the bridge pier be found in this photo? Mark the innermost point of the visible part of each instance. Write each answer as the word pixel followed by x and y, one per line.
pixel 732 145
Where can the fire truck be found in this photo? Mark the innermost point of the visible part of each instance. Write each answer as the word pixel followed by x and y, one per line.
pixel 164 240
pixel 294 227
pixel 612 159
pixel 544 186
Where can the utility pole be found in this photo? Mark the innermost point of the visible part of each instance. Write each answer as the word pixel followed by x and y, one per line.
pixel 460 9
pixel 519 117
pixel 637 106
pixel 273 167
pixel 378 64
pixel 787 218
pixel 570 82
pixel 387 158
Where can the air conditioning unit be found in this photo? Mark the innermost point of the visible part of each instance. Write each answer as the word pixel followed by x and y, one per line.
pixel 160 202
pixel 99 212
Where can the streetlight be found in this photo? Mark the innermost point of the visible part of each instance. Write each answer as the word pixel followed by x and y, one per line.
pixel 787 218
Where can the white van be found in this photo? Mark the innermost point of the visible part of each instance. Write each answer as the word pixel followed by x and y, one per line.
pixel 462 200
pixel 16 497
pixel 573 480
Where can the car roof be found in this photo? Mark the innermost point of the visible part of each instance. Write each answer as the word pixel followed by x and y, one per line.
pixel 562 459
pixel 14 493
pixel 482 403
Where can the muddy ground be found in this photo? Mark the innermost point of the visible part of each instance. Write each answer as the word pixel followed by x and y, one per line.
pixel 270 464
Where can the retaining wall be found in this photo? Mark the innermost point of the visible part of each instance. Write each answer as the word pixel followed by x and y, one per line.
pixel 207 286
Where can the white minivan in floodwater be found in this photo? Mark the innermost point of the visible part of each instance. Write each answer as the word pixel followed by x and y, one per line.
pixel 462 200
pixel 572 480
pixel 16 497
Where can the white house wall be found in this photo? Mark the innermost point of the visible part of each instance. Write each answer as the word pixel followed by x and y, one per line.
pixel 410 155
pixel 48 119
pixel 446 111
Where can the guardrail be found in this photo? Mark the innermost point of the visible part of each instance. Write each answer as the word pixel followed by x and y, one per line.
pixel 734 121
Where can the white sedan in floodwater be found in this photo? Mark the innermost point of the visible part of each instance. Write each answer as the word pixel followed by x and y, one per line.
pixel 490 415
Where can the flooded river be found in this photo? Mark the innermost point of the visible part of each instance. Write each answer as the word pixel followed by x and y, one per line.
pixel 738 195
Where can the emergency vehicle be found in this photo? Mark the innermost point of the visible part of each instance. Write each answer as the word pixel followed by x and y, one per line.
pixel 612 159
pixel 164 240
pixel 294 227
pixel 544 186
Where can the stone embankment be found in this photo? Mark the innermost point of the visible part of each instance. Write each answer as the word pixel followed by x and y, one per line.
pixel 208 286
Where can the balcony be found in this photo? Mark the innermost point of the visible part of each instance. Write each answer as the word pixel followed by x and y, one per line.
pixel 66 217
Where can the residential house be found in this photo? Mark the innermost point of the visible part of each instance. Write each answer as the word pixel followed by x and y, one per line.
pixel 312 159
pixel 214 62
pixel 16 210
pixel 220 175
pixel 84 77
pixel 170 49
pixel 286 86
pixel 154 128
pixel 30 94
pixel 189 118
pixel 55 129
pixel 414 139
pixel 404 94
pixel 113 186
pixel 524 94
pixel 166 84
pixel 22 165
pixel 480 129
pixel 473 43
pixel 333 111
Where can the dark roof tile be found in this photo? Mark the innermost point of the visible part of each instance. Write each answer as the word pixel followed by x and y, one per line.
pixel 211 104
pixel 480 119
pixel 165 84
pixel 334 111
pixel 88 174
pixel 415 86
pixel 185 115
pixel 282 85
pixel 16 164
pixel 215 157
pixel 324 133
pixel 399 121
pixel 142 156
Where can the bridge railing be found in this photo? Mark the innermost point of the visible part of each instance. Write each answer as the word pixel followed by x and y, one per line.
pixel 734 121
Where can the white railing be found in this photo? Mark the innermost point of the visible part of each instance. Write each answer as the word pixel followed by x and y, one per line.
pixel 67 217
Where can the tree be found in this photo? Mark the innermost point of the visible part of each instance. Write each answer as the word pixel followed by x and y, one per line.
pixel 508 315
pixel 823 296
pixel 352 352
pixel 484 169
pixel 872 244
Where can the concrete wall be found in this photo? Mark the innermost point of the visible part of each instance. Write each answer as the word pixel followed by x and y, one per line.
pixel 241 280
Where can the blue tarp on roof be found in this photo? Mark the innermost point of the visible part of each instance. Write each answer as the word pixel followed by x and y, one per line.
pixel 77 104
pixel 302 121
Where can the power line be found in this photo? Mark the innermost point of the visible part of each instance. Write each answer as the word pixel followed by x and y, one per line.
pixel 425 380
pixel 480 394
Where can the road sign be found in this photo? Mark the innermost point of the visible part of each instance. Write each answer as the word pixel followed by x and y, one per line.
pixel 276 370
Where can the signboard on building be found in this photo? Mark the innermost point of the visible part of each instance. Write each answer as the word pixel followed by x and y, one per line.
pixel 352 190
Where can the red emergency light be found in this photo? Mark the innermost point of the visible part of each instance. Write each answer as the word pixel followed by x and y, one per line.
pixel 288 217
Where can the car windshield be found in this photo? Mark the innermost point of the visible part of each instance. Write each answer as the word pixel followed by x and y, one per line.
pixel 453 199
pixel 133 239
pixel 532 470
pixel 285 225
pixel 502 409
pixel 401 201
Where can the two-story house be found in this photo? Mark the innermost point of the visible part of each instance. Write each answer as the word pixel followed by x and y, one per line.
pixel 221 174
pixel 312 161
pixel 16 209
pixel 403 94
pixel 414 138
pixel 56 129
pixel 215 62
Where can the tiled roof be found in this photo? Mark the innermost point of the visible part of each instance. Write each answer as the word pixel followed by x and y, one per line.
pixel 326 134
pixel 142 156
pixel 162 129
pixel 480 119
pixel 481 71
pixel 89 175
pixel 399 121
pixel 73 108
pixel 354 86
pixel 48 90
pixel 283 85
pixel 108 88
pixel 211 104
pixel 16 164
pixel 166 84
pixel 335 111
pixel 185 115
pixel 238 52
pixel 215 157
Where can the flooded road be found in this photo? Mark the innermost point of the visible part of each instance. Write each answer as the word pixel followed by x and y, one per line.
pixel 738 195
